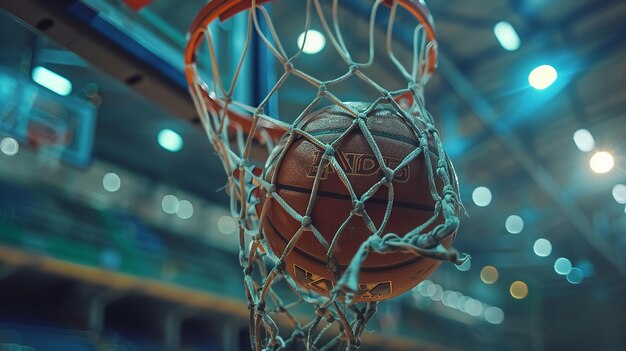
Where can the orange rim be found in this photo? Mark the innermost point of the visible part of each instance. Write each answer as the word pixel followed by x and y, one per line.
pixel 224 9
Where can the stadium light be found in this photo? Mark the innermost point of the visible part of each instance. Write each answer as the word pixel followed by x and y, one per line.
pixel 601 162
pixel 542 77
pixel 170 140
pixel 507 36
pixel 619 193
pixel 584 140
pixel 52 81
pixel 315 42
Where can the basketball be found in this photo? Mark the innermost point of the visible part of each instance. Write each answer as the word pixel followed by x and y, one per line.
pixel 382 276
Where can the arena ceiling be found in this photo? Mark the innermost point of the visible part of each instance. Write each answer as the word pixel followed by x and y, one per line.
pixel 499 132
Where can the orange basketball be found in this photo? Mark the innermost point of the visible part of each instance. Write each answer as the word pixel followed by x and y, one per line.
pixel 382 276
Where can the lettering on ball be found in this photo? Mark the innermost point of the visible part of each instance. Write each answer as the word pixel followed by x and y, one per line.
pixel 357 165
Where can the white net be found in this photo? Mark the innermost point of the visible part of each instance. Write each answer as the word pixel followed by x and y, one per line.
pixel 277 300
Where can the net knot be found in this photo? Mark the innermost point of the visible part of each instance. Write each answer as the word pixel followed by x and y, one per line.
pixel 354 68
pixel 306 221
pixel 362 116
pixel 448 192
pixel 441 171
pixel 280 266
pixel 321 90
pixel 389 175
pixel 288 66
pixel 329 152
pixel 359 206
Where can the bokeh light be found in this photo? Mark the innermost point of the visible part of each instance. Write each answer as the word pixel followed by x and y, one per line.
pixel 170 140
pixel 474 307
pixel 315 41
pixel 226 225
pixel 494 315
pixel 170 204
pixel 542 77
pixel 507 36
pixel 9 146
pixel 481 196
pixel 562 266
pixel 452 299
pixel 185 209
pixel 52 81
pixel 519 290
pixel 619 193
pixel 584 140
pixel 601 162
pixel 111 182
pixel 575 276
pixel 514 224
pixel 489 274
pixel 438 294
pixel 542 247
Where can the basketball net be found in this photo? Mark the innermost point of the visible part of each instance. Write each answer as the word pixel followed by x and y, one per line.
pixel 237 131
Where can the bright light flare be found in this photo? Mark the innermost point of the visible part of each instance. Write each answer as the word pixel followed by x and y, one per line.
pixel 601 162
pixel 542 77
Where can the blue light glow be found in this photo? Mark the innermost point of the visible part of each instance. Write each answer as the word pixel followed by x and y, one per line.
pixel 542 247
pixel 170 140
pixel 575 276
pixel 494 315
pixel 52 81
pixel 584 140
pixel 542 77
pixel 507 36
pixel 562 266
pixel 514 224
pixel 481 196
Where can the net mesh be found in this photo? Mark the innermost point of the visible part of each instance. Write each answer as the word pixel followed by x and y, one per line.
pixel 277 316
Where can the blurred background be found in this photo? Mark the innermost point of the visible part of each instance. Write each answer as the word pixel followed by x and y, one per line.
pixel 114 227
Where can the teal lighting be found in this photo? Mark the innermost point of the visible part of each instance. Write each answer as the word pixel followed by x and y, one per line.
pixel 575 276
pixel 170 140
pixel 562 266
pixel 542 247
pixel 52 81
pixel 507 36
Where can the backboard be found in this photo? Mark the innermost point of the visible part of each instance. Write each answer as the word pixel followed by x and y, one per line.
pixel 61 127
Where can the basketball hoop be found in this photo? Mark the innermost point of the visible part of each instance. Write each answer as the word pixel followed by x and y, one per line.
pixel 301 238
